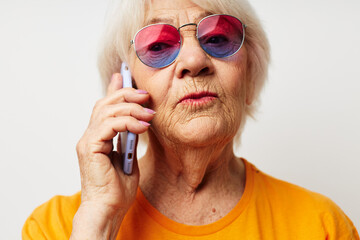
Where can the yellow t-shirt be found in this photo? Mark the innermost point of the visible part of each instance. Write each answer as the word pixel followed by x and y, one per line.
pixel 269 209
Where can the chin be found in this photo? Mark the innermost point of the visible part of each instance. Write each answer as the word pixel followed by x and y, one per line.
pixel 201 132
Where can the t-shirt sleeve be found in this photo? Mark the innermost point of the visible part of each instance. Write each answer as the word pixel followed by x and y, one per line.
pixel 53 219
pixel 337 225
pixel 32 230
pixel 303 213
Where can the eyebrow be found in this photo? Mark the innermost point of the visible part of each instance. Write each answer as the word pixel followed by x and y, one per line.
pixel 171 20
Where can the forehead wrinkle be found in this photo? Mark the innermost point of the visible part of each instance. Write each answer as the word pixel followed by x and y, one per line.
pixel 159 20
pixel 201 16
pixel 170 20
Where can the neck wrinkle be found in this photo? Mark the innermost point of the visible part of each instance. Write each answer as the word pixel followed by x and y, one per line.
pixel 184 170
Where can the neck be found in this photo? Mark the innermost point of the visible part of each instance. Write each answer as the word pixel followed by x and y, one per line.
pixel 186 172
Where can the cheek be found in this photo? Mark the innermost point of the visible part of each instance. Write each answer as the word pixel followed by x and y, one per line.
pixel 153 81
pixel 234 83
pixel 234 80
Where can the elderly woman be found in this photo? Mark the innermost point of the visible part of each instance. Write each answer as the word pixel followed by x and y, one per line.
pixel 197 68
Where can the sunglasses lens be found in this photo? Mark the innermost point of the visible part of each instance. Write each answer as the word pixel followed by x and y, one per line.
pixel 220 35
pixel 157 45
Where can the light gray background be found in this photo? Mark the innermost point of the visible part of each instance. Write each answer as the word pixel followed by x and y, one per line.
pixel 307 130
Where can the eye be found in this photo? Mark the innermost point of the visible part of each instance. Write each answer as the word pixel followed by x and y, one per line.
pixel 216 39
pixel 156 47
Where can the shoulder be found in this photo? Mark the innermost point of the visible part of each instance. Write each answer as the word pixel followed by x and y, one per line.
pixel 307 207
pixel 52 219
pixel 266 185
pixel 283 190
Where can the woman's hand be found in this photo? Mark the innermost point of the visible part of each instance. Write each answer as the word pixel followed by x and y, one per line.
pixel 107 193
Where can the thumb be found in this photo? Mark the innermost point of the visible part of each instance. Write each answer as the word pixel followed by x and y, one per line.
pixel 116 83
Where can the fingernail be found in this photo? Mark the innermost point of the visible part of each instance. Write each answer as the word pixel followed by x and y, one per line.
pixel 146 124
pixel 141 91
pixel 149 110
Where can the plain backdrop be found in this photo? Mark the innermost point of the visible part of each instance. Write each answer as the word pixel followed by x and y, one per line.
pixel 307 129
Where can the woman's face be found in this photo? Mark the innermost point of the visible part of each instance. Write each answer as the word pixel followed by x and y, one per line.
pixel 198 99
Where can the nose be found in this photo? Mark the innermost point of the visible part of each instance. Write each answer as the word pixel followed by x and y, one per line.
pixel 192 60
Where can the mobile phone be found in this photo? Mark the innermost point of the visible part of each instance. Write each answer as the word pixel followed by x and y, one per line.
pixel 128 139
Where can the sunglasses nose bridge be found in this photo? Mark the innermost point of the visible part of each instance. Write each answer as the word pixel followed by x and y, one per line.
pixel 190 33
pixel 187 31
pixel 187 24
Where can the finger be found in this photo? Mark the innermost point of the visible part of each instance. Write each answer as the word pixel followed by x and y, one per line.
pixel 129 95
pixel 128 109
pixel 112 126
pixel 116 83
pixel 135 110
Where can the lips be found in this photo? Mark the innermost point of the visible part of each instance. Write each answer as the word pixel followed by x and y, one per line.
pixel 199 97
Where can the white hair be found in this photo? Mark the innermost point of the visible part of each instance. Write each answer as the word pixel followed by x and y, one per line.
pixel 125 17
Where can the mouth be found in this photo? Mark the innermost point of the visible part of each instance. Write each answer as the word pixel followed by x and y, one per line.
pixel 198 98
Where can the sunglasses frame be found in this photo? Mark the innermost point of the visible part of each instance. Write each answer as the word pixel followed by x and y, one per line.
pixel 132 42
